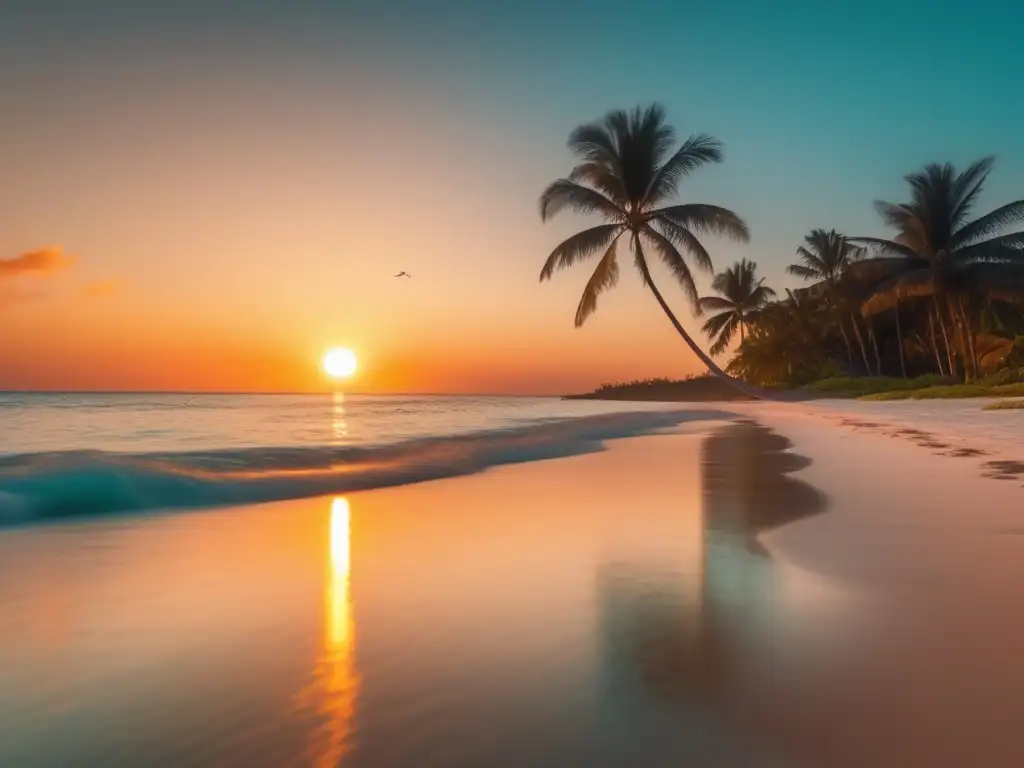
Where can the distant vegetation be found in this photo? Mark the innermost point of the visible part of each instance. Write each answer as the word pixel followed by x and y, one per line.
pixel 705 388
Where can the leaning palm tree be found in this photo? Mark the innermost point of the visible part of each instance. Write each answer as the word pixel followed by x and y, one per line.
pixel 628 174
pixel 740 294
pixel 945 255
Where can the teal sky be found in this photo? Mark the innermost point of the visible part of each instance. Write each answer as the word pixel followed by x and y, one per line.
pixel 230 110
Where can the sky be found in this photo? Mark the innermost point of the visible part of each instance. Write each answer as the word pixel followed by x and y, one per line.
pixel 207 196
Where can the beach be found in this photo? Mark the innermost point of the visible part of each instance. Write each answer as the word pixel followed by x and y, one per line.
pixel 776 585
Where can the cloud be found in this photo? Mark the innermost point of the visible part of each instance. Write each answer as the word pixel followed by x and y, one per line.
pixel 103 289
pixel 44 261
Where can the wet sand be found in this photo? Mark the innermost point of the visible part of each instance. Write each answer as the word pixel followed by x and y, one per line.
pixel 785 592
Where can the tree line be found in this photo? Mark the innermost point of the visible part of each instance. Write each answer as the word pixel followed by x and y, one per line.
pixel 943 295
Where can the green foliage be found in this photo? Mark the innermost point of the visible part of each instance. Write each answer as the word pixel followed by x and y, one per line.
pixel 942 296
pixel 1005 376
pixel 1016 357
pixel 703 388
pixel 952 391
pixel 852 386
pixel 639 383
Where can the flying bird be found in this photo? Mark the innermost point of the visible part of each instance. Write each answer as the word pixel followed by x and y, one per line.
pixel 403 274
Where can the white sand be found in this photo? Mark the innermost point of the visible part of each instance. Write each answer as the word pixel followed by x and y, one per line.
pixel 927 556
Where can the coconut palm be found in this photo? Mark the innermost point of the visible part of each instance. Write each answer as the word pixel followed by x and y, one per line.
pixel 825 257
pixel 629 174
pixel 740 293
pixel 946 256
pixel 784 337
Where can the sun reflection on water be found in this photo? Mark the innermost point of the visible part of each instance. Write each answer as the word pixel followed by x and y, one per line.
pixel 336 679
pixel 339 426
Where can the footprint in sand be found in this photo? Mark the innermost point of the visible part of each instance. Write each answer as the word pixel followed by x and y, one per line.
pixel 1004 470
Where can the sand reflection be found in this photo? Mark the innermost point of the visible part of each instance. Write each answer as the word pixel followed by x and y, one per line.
pixel 686 642
pixel 337 682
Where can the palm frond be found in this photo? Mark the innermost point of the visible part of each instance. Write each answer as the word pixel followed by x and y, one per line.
pixel 891 292
pixel 895 215
pixel 594 143
pixel 562 194
pixel 1005 248
pixel 651 128
pixel 725 283
pixel 702 219
pixel 721 329
pixel 675 262
pixel 714 304
pixel 990 224
pixel 968 187
pixel 696 151
pixel 580 246
pixel 642 139
pixel 799 270
pixel 684 238
pixel 884 246
pixel 762 294
pixel 601 178
pixel 998 282
pixel 605 276
pixel 714 325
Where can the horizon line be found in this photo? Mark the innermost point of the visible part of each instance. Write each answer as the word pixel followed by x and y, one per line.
pixel 258 392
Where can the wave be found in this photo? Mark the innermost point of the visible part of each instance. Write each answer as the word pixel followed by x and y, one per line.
pixel 53 486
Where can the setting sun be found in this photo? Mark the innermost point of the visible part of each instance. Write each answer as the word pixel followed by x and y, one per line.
pixel 340 363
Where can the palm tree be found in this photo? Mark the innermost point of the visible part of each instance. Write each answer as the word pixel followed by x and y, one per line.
pixel 628 174
pixel 945 255
pixel 784 337
pixel 740 294
pixel 825 257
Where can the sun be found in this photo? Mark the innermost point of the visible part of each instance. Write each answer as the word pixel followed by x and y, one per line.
pixel 340 363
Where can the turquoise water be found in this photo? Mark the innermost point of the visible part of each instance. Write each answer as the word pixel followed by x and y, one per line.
pixel 528 616
pixel 78 455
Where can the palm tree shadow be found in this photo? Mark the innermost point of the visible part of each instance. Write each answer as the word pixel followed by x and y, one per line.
pixel 684 650
pixel 748 490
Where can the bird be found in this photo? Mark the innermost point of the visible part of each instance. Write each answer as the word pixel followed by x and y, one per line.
pixel 403 274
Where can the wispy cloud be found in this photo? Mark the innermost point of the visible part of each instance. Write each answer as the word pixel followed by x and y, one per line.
pixel 44 261
pixel 103 289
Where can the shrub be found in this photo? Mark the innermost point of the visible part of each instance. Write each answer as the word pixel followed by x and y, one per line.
pixel 1005 376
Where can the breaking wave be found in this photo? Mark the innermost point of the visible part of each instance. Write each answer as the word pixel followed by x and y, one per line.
pixel 51 486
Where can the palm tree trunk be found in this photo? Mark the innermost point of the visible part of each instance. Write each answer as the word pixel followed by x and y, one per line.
pixel 945 336
pixel 874 346
pixel 935 343
pixel 846 341
pixel 860 341
pixel 741 332
pixel 743 387
pixel 963 337
pixel 969 332
pixel 899 342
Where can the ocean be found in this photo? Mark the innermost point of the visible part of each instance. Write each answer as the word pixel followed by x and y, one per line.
pixel 65 455
pixel 720 593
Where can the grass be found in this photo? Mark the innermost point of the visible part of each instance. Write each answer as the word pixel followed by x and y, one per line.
pixel 848 386
pixel 1005 405
pixel 1007 383
pixel 950 392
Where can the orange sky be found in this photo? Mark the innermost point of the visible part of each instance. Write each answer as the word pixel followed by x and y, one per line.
pixel 176 251
pixel 214 196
